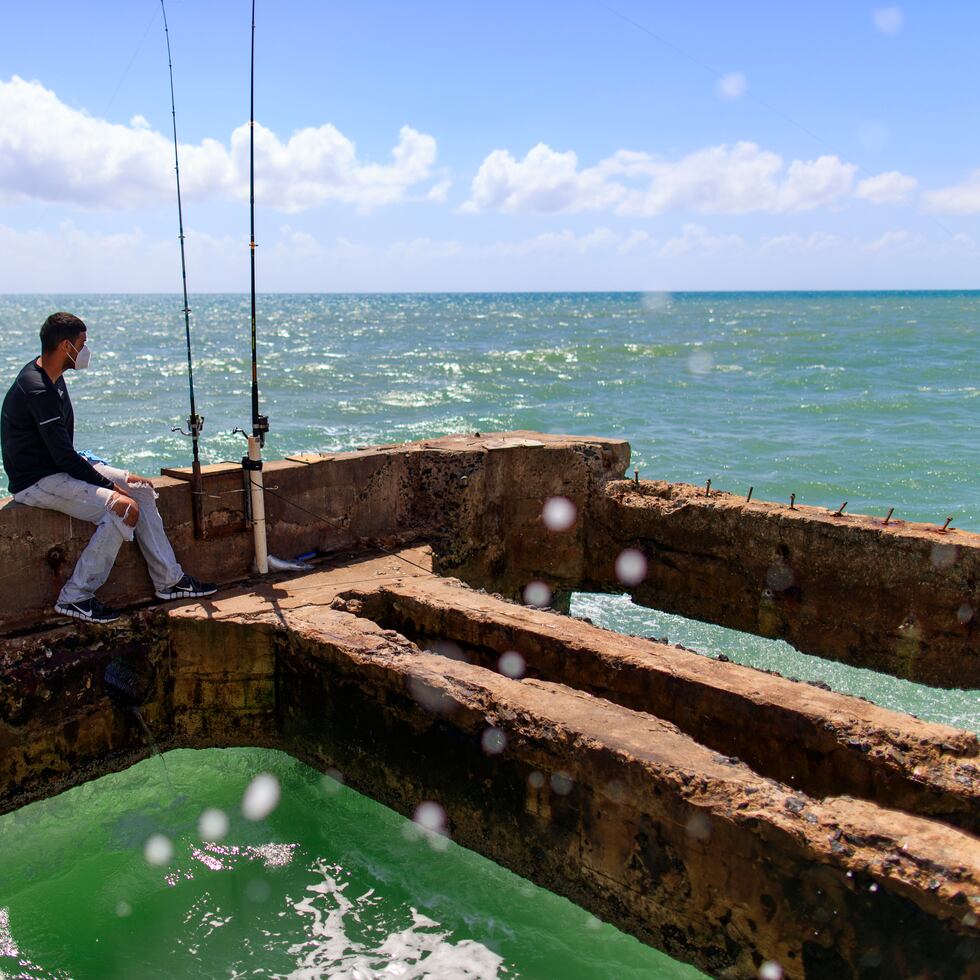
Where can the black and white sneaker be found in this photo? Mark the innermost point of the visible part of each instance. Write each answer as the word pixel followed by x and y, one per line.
pixel 88 611
pixel 187 588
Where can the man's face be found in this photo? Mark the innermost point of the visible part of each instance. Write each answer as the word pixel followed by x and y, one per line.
pixel 72 347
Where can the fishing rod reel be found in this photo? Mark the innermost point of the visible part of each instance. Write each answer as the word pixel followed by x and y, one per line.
pixel 195 425
pixel 260 427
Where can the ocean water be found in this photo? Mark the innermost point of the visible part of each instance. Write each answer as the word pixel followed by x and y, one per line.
pixel 865 397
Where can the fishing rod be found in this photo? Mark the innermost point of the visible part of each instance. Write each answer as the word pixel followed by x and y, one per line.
pixel 195 422
pixel 254 496
pixel 260 423
pixel 252 462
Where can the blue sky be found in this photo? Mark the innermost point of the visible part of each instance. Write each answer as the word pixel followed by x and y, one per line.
pixel 476 146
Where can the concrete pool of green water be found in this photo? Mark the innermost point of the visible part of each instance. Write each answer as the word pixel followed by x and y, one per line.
pixel 329 884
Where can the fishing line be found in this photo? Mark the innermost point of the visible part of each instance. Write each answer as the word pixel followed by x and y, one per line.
pixel 126 70
pixel 195 422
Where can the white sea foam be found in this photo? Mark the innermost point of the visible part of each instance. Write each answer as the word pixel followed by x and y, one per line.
pixel 7 945
pixel 421 949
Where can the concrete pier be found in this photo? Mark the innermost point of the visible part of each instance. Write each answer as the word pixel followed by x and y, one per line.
pixel 899 598
pixel 725 815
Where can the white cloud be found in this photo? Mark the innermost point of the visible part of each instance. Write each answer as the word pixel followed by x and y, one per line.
pixel 732 86
pixel 816 241
pixel 562 242
pixel 695 238
pixel 888 20
pixel 915 243
pixel 439 192
pixel 961 198
pixel 320 164
pixel 892 187
pixel 635 240
pixel 724 179
pixel 544 182
pixel 53 152
pixel 900 238
pixel 70 259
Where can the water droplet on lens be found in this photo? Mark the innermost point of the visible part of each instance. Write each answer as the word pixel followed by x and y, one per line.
pixel 430 816
pixel 257 890
pixel 512 664
pixel 770 970
pixel 535 780
pixel 699 827
pixel 261 797
pixel 656 302
pixel 158 849
pixel 429 697
pixel 558 514
pixel 212 825
pixel 123 908
pixel 561 783
pixel 700 362
pixel 332 781
pixel 494 741
pixel 943 556
pixel 537 594
pixel 631 567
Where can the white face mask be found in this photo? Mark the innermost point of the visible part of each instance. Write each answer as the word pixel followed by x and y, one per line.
pixel 83 356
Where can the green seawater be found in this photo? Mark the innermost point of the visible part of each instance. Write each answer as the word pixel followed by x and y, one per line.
pixel 870 398
pixel 329 884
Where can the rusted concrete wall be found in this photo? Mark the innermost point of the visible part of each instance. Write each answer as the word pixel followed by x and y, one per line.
pixel 457 488
pixel 902 599
pixel 818 741
pixel 631 815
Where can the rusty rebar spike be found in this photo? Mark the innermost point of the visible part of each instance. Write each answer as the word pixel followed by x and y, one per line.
pixel 748 496
pixel 636 477
pixel 946 525
pixel 707 489
pixel 840 510
pixel 792 501
pixel 891 510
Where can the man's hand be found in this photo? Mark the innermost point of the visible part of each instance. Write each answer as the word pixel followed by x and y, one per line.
pixel 122 505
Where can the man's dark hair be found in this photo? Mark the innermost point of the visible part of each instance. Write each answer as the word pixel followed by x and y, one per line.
pixel 59 327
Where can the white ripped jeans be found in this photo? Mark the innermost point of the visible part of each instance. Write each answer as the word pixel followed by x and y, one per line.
pixel 91 503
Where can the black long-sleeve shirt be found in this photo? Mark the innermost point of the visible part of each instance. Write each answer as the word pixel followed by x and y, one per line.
pixel 37 431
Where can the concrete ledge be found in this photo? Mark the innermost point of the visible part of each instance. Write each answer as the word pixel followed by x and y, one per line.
pixel 904 599
pixel 823 743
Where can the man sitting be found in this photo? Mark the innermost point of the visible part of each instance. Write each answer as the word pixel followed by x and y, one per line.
pixel 44 470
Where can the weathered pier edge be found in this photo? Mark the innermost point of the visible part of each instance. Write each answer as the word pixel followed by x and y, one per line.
pixel 725 815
